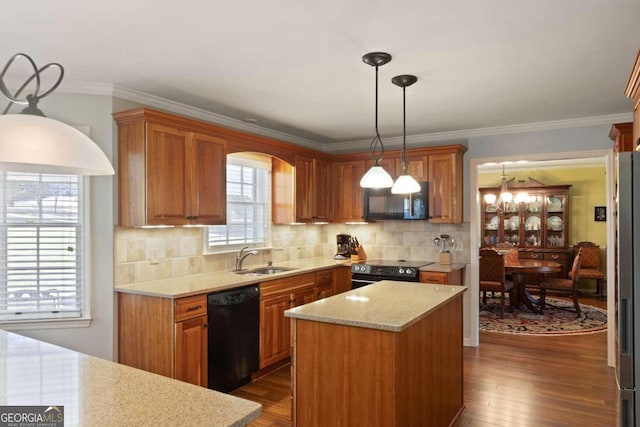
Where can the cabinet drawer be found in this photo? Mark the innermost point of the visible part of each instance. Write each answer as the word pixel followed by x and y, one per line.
pixel 554 256
pixel 530 255
pixel 285 285
pixel 324 277
pixel 434 277
pixel 189 307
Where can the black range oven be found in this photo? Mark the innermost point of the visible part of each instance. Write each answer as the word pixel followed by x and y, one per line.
pixel 364 273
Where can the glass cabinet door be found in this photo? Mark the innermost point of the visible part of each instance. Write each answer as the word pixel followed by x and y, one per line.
pixel 533 221
pixel 556 220
pixel 490 228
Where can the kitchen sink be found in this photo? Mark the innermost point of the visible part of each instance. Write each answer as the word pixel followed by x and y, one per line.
pixel 264 271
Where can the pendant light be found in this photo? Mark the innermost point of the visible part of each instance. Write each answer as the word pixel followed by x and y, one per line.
pixel 31 142
pixel 405 183
pixel 376 177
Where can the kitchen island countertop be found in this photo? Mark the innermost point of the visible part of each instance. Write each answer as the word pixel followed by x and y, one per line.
pixel 386 305
pixel 95 391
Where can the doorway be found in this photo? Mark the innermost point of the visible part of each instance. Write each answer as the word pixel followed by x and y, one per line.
pixel 554 160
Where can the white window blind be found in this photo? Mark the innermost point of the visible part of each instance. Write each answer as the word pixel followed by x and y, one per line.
pixel 41 246
pixel 248 204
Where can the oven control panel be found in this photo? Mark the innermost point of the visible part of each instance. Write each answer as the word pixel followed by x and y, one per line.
pixel 384 270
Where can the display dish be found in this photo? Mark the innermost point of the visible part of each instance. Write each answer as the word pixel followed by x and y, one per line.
pixel 555 223
pixel 492 224
pixel 532 223
pixel 555 204
pixel 514 222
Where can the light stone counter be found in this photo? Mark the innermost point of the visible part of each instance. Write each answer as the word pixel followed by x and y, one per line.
pixel 442 268
pixel 386 305
pixel 97 392
pixel 222 280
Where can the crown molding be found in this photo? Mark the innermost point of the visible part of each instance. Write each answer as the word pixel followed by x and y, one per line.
pixel 198 113
pixel 107 89
pixel 438 137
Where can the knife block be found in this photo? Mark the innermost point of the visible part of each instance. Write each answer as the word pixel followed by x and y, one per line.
pixel 360 254
pixel 445 258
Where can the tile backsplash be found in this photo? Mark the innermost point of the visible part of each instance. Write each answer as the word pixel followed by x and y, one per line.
pixel 161 253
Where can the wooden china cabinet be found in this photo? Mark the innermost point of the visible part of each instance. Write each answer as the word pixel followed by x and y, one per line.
pixel 538 227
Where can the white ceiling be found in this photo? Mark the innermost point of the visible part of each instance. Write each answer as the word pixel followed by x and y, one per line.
pixel 295 65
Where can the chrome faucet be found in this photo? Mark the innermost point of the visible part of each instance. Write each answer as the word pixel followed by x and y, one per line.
pixel 242 255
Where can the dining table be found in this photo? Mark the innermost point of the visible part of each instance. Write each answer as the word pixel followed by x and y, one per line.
pixel 519 269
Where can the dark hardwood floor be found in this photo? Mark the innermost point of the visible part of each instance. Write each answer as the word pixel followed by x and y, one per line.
pixel 509 380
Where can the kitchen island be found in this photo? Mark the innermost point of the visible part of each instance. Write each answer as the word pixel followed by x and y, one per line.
pixel 387 354
pixel 94 391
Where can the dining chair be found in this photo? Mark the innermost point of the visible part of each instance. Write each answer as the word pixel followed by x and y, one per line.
pixel 590 268
pixel 563 286
pixel 492 277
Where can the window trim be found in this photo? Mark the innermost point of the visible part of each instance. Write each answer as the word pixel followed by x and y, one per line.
pixel 247 159
pixel 85 318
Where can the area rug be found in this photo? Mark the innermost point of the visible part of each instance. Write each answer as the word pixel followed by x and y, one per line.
pixel 557 319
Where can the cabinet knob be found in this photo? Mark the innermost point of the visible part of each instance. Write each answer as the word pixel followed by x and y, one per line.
pixel 555 256
pixel 194 308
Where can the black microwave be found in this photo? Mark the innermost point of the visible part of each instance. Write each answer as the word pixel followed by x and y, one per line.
pixel 380 204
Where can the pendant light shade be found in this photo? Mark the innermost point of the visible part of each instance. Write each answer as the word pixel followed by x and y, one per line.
pixel 31 142
pixel 376 177
pixel 405 183
pixel 38 144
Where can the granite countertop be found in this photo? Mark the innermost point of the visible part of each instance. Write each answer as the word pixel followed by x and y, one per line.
pixel 95 391
pixel 443 268
pixel 386 305
pixel 223 280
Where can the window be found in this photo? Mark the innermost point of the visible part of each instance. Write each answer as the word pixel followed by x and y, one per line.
pixel 41 246
pixel 248 204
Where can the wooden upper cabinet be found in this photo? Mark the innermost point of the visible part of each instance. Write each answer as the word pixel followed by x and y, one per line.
pixel 311 189
pixel 417 166
pixel 445 187
pixel 347 204
pixel 622 136
pixel 633 91
pixel 301 191
pixel 168 174
pixel 388 163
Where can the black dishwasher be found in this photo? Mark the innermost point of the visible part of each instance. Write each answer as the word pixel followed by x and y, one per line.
pixel 234 321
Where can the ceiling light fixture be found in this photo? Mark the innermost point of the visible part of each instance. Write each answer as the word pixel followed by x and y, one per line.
pixel 376 177
pixel 31 142
pixel 405 182
pixel 505 195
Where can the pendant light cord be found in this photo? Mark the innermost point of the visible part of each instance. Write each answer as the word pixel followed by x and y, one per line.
pixel 376 139
pixel 403 155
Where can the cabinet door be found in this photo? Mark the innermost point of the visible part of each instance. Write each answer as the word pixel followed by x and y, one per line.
pixel 348 194
pixel 342 280
pixel 304 189
pixel 274 329
pixel 303 296
pixel 167 176
pixel 445 180
pixel 207 187
pixel 191 351
pixel 388 163
pixel 417 166
pixel 321 185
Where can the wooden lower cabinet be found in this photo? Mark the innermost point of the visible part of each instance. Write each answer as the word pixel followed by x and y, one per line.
pixel 344 375
pixel 277 296
pixel 191 351
pixel 455 277
pixel 164 336
pixel 342 280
